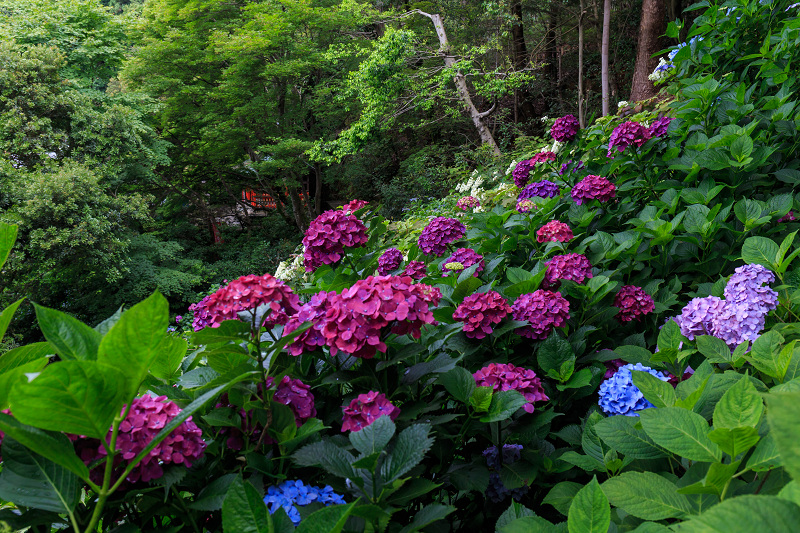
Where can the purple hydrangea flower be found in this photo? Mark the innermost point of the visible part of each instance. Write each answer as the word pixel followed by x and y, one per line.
pixel 416 270
pixel 544 310
pixel 467 257
pixel 627 134
pixel 497 492
pixel 366 409
pixel 565 166
pixel 633 303
pixel 593 188
pixel 297 395
pixel 660 126
pixel 290 494
pixel 521 172
pixel 618 394
pixel 737 322
pixel 440 232
pixel 543 189
pixel 747 285
pixel 327 237
pixel 695 318
pixel 573 267
pixel 565 128
pixel 389 261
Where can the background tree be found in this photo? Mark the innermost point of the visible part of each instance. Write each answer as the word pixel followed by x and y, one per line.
pixel 651 28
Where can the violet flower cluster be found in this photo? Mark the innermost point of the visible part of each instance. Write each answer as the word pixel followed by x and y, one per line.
pixel 565 128
pixel 440 232
pixel 544 310
pixel 389 261
pixel 572 267
pixel 565 167
pixel 297 395
pixel 633 303
pixel 659 127
pixel 290 494
pixel 327 237
pixel 593 188
pixel 416 270
pixel 366 409
pixel 543 189
pixel 525 206
pixel 627 134
pixel 618 394
pixel 246 294
pixel 466 257
pixel 554 231
pixel 480 312
pixel 522 171
pixel 502 377
pixel 497 491
pixel 467 202
pixel 788 217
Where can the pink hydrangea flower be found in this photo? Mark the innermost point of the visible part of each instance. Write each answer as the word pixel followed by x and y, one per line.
pixel 354 206
pixel 246 294
pixel 440 232
pixel 544 310
pixel 297 395
pixel 565 128
pixel 327 237
pixel 313 312
pixel 627 134
pixel 480 312
pixel 633 303
pixel 521 172
pixel 389 261
pixel 467 202
pixel 593 188
pixel 416 270
pixel 554 231
pixel 788 217
pixel 573 267
pixel 526 205
pixel 467 257
pixel 502 377
pixel 366 409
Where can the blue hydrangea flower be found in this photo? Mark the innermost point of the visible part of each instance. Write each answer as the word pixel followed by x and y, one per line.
pixel 618 394
pixel 289 494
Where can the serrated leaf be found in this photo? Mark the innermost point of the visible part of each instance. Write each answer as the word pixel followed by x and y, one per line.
pixel 782 417
pixel 767 514
pixel 760 250
pixel 515 510
pixel 734 441
pixel 741 405
pixel 374 437
pixel 646 495
pixel 682 432
pixel 459 383
pixel 327 455
pixel 411 446
pixel 714 348
pixel 426 516
pixel 71 338
pixel 561 496
pixel 504 404
pixel 553 352
pixel 620 434
pixel 765 456
pixel 659 393
pixel 590 511
pixel 768 356
pixel 213 494
pixel 244 511
pixel 331 519
pixel 481 399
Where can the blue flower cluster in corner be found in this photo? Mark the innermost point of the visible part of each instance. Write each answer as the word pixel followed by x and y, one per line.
pixel 292 493
pixel 618 394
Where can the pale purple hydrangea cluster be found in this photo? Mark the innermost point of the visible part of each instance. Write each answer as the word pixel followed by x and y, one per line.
pixel 593 188
pixel 565 128
pixel 290 494
pixel 627 134
pixel 389 261
pixel 618 394
pixel 466 257
pixel 544 310
pixel 327 237
pixel 440 232
pixel 502 377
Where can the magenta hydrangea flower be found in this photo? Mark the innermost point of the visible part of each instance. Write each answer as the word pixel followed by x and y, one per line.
pixel 480 312
pixel 633 303
pixel 389 261
pixel 313 312
pixel 440 232
pixel 147 417
pixel 554 231
pixel 565 128
pixel 593 188
pixel 297 395
pixel 353 206
pixel 502 377
pixel 695 317
pixel 543 189
pixel 521 172
pixel 416 270
pixel 467 257
pixel 565 166
pixel 366 409
pixel 467 202
pixel 627 134
pixel 574 267
pixel 246 294
pixel 747 286
pixel 612 367
pixel 788 217
pixel 327 237
pixel 659 127
pixel 544 310
pixel 356 320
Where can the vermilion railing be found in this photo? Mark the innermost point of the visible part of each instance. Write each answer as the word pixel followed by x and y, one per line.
pixel 262 200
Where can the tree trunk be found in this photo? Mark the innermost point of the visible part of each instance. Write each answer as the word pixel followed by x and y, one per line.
pixel 651 27
pixel 604 56
pixel 581 119
pixel 520 58
pixel 318 190
pixel 461 84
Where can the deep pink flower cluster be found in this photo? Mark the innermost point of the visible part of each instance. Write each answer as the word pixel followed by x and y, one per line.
pixel 522 171
pixel 554 231
pixel 327 237
pixel 573 267
pixel 633 303
pixel 389 261
pixel 593 188
pixel 440 232
pixel 366 409
pixel 147 417
pixel 467 257
pixel 480 312
pixel 297 395
pixel 354 206
pixel 659 127
pixel 467 202
pixel 565 128
pixel 788 217
pixel 627 134
pixel 356 320
pixel 612 367
pixel 416 270
pixel 245 294
pixel 543 309
pixel 509 377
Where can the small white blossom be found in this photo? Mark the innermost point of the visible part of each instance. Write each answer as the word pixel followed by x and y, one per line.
pixel 622 103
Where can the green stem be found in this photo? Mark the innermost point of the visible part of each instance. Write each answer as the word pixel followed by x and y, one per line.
pixel 106 490
pixel 185 509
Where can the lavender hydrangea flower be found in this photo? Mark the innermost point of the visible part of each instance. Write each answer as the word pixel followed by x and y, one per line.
pixel 440 232
pixel 736 323
pixel 618 394
pixel 389 261
pixel 543 189
pixel 695 318
pixel 746 285
pixel 290 494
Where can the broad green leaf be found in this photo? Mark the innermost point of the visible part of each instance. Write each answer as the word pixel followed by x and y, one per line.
pixel 465 288
pixel 481 399
pixel 682 432
pixel 791 492
pixel 768 356
pixel 79 397
pixel 30 480
pixel 782 417
pixel 22 355
pixel 71 338
pixel 213 494
pixel 741 148
pixel 504 404
pixel 137 339
pixel 734 441
pixel 740 406
pixel 8 379
pixel 425 516
pixel 765 456
pixel 410 447
pixel 760 250
pixel 8 234
pixel 459 383
pixel 715 481
pixel 228 330
pixel 329 456
pixel 7 315
pixel 52 446
pixel 533 524
pixel 411 490
pixel 374 437
pixel 659 393
pixel 746 514
pixel 670 338
pixel 590 511
pixel 244 510
pixel 515 510
pixel 166 364
pixel 553 352
pixel 561 496
pixel 715 349
pixel 622 435
pixel 646 495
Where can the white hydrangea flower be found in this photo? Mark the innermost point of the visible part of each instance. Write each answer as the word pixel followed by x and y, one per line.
pixel 557 146
pixel 511 167
pixel 622 103
pixel 545 118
